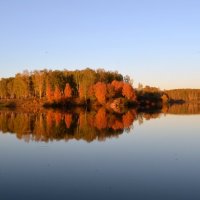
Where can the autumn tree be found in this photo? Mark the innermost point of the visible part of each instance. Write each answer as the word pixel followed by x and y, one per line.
pixel 118 86
pixel 87 78
pixel 21 86
pixel 9 88
pixel 100 92
pixel 127 79
pixel 91 92
pixel 3 89
pixel 57 94
pixel 49 92
pixel 81 92
pixel 128 92
pixel 110 91
pixel 57 79
pixel 108 76
pixel 38 78
pixel 68 91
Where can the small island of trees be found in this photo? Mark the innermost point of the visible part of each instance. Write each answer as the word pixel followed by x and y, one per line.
pixel 79 87
pixel 55 88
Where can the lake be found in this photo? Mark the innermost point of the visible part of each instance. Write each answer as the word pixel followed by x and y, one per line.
pixel 100 155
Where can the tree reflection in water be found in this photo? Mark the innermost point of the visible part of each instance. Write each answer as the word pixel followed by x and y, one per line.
pixel 56 125
pixel 79 125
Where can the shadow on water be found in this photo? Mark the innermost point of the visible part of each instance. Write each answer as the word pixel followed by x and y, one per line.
pixel 100 124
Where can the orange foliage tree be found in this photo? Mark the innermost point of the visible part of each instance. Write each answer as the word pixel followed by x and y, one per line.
pixel 100 92
pixel 68 91
pixel 110 91
pixel 128 92
pixel 49 93
pixel 118 85
pixel 57 94
pixel 91 92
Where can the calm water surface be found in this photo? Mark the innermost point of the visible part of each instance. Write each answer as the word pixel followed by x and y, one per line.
pixel 59 155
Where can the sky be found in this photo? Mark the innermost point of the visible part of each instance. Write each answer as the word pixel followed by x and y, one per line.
pixel 155 42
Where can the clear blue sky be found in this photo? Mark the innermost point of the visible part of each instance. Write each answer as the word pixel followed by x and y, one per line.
pixel 156 42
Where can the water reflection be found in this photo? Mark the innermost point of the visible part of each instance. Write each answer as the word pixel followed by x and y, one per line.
pixel 185 109
pixel 157 160
pixel 92 125
pixel 56 125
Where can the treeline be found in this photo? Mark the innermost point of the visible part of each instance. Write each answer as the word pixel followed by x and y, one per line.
pixel 187 95
pixel 81 87
pixel 154 95
pixel 151 96
pixel 54 86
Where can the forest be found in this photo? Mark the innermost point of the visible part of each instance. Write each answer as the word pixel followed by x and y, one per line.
pixel 64 87
pixel 87 87
pixel 188 95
